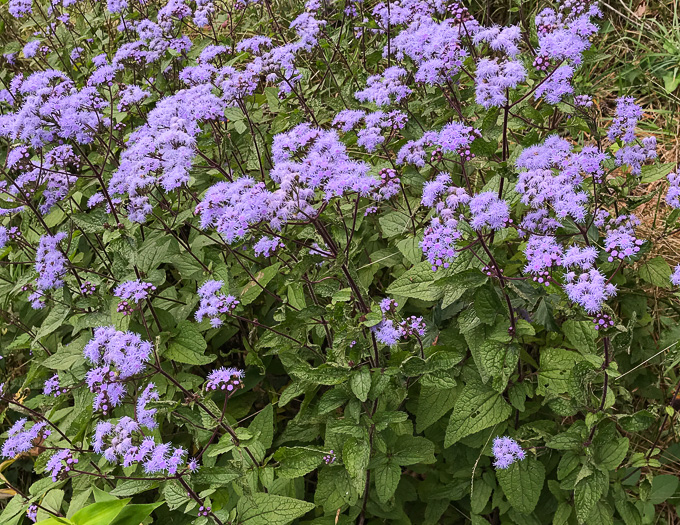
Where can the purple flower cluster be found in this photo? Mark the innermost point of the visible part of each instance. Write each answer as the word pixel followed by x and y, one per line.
pixel 494 79
pixel 32 513
pixel 506 451
pixel 329 458
pixel 125 443
pixel 50 264
pixel 488 211
pixel 370 136
pixel 20 8
pixel 224 379
pixel 390 332
pixel 590 289
pixel 117 356
pixel 60 463
pixel 52 387
pixel 132 292
pixel 20 439
pixel 455 138
pixel 381 88
pixel 675 276
pixel 323 166
pixel 623 127
pixel 214 303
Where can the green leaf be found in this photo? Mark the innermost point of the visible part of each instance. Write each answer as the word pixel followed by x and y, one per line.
pixel 663 487
pixel 657 272
pixel 581 335
pixel 187 345
pixel 477 408
pixel 418 283
pixel 654 172
pixel 360 383
pixel 386 480
pixel 214 476
pixel 263 423
pixel 175 495
pixel 101 513
pixel 355 455
pixel 410 248
pixel 253 289
pixel 134 514
pixel 394 223
pixel 152 253
pixel 588 492
pixel 268 509
pixel 410 450
pixel 91 222
pixel 433 403
pixel 522 483
pixel 132 487
pixel 297 461
pixel 555 369
pixel 602 514
pixel 611 453
pixel 54 320
pixel 335 489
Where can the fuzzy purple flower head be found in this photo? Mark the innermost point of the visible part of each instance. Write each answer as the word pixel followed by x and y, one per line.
pixel 227 379
pixel 506 451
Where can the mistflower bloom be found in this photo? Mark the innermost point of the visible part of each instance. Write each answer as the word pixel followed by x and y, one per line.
pixel 673 194
pixel 204 9
pixel 224 379
pixel 551 175
pixel 267 246
pixel 542 252
pixel 87 288
pixel 129 96
pixel 213 303
pixel 412 326
pixel 487 210
pixel 675 276
pixel 145 416
pixel 52 387
pixel 381 88
pixel 21 439
pixel 60 463
pixel 620 241
pixel 500 39
pixel 116 6
pixel 557 86
pixel 132 292
pixel 31 49
pixel 387 333
pixel 602 321
pixel 389 185
pixel 582 258
pixel 50 263
pixel 125 351
pixel 493 79
pixel 329 458
pixel 439 242
pixel 455 138
pixel 627 115
pixel 20 8
pixel 588 289
pixel 388 305
pixel 433 46
pixel 506 451
pixel 585 101
pixel 32 513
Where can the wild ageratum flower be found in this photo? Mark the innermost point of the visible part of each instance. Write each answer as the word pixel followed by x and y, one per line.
pixel 21 439
pixel 675 276
pixel 124 351
pixel 50 263
pixel 627 115
pixel 214 303
pixel 388 305
pixel 500 39
pixel 20 8
pixel 145 416
pixel 32 513
pixel 52 387
pixel 224 379
pixel 487 210
pixel 60 463
pixel 267 246
pixel 387 333
pixel 494 78
pixel 455 138
pixel 132 292
pixel 506 451
pixel 588 289
pixel 673 194
pixel 381 88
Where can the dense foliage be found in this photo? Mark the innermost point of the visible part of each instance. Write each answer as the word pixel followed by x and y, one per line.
pixel 335 263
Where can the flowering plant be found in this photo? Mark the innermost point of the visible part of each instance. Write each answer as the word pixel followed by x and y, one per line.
pixel 365 263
